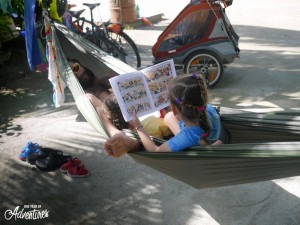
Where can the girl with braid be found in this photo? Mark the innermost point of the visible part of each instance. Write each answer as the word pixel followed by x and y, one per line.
pixel 196 121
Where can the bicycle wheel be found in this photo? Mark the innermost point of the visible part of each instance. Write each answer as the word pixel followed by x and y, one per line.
pixel 107 45
pixel 132 55
pixel 206 64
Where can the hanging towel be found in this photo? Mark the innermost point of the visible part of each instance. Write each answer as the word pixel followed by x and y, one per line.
pixel 53 74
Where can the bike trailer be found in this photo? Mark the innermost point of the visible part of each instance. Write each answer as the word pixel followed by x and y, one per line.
pixel 199 40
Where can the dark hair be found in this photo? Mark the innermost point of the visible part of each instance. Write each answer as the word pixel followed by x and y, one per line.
pixel 189 94
pixel 113 112
pixel 72 60
pixel 91 75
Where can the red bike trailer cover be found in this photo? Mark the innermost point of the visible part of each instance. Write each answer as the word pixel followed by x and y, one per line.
pixel 191 27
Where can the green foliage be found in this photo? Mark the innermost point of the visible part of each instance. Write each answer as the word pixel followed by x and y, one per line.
pixel 18 6
pixel 5 31
pixel 7 25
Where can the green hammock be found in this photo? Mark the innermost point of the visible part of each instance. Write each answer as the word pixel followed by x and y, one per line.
pixel 263 146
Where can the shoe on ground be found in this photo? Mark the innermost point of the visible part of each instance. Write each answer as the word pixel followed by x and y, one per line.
pixel 72 163
pixel 52 162
pixel 27 152
pixel 31 146
pixel 78 171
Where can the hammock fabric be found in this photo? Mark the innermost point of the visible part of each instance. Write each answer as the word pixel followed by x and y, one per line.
pixel 263 146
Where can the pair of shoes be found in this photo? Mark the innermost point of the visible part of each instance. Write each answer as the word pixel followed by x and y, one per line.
pixel 30 148
pixel 51 160
pixel 74 168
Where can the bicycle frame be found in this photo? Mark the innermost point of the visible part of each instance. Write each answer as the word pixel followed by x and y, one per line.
pixel 116 28
pixel 81 23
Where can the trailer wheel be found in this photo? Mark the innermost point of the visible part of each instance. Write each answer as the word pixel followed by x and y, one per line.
pixel 207 64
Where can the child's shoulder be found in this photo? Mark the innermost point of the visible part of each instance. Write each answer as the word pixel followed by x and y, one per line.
pixel 211 108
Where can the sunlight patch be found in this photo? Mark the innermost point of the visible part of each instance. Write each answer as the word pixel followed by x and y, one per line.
pixel 259 103
pixel 200 216
pixel 149 190
pixel 295 95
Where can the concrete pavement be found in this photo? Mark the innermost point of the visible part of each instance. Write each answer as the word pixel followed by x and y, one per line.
pixel 120 191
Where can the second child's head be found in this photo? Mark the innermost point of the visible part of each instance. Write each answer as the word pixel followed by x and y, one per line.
pixel 113 112
pixel 188 93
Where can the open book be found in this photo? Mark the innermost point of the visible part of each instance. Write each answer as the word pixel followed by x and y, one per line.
pixel 144 91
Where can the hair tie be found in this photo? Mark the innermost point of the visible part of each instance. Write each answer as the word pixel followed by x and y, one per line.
pixel 178 100
pixel 201 108
pixel 194 75
pixel 205 135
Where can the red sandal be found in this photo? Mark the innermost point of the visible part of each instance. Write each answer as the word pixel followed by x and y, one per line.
pixel 78 171
pixel 71 163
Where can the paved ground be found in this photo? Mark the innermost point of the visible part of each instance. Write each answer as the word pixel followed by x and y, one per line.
pixel 120 191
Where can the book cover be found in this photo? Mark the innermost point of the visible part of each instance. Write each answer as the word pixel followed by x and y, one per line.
pixel 144 91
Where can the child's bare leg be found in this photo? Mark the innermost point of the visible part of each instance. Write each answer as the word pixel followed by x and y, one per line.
pixel 95 102
pixel 120 144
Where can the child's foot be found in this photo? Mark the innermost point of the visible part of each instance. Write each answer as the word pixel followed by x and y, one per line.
pixel 120 144
pixel 217 142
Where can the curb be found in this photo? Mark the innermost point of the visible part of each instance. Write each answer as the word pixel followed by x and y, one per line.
pixel 139 23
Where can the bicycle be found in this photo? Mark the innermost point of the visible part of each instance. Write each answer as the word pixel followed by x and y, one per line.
pixel 110 37
pixel 116 32
pixel 89 30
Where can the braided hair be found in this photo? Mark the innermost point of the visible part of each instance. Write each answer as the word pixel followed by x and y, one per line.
pixel 189 94
pixel 113 112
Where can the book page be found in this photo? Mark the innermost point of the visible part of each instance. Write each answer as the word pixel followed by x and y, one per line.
pixel 158 77
pixel 144 91
pixel 131 93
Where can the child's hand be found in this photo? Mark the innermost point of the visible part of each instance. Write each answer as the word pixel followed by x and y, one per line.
pixel 135 122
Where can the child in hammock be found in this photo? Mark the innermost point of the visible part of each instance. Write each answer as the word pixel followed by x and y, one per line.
pixel 154 126
pixel 98 94
pixel 193 121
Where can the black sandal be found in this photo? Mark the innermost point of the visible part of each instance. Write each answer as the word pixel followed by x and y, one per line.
pixel 41 154
pixel 52 162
